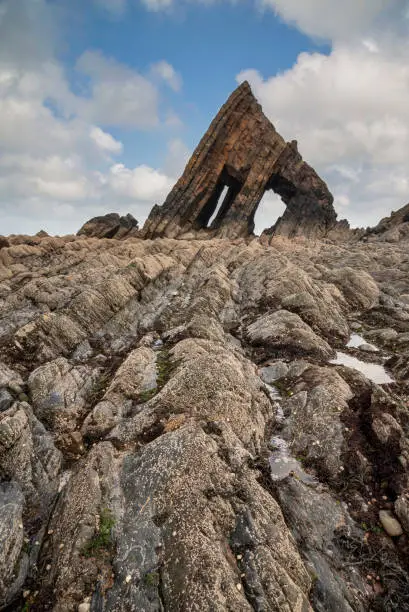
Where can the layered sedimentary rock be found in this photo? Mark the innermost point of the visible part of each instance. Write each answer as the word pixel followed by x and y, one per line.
pixel 242 151
pixel 111 225
pixel 174 435
pixel 390 229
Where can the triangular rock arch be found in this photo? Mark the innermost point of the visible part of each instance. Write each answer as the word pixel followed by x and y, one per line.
pixel 243 151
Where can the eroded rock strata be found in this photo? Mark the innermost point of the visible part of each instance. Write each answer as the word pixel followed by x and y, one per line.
pixel 111 225
pixel 174 436
pixel 242 153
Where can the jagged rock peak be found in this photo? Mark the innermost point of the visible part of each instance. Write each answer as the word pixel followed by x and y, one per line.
pixel 390 229
pixel 242 151
pixel 111 225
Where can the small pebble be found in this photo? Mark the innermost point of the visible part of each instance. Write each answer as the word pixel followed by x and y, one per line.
pixel 61 546
pixel 238 586
pixel 50 531
pixel 26 593
pixel 391 525
pixel 48 567
pixel 128 578
pixel 239 557
pixel 173 533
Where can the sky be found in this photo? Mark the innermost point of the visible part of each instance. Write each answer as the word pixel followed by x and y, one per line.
pixel 103 101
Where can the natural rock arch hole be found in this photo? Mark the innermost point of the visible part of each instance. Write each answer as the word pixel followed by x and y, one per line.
pixel 219 204
pixel 224 193
pixel 271 207
pixel 227 188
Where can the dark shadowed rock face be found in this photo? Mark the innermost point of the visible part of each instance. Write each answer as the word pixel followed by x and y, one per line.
pixel 109 226
pixel 242 151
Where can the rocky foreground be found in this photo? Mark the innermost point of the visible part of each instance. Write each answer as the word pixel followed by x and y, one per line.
pixel 174 436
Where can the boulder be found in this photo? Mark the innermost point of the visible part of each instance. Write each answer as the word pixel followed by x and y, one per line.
pixel 111 225
pixel 285 333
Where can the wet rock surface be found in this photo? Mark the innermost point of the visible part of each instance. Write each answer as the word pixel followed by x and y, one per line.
pixel 177 431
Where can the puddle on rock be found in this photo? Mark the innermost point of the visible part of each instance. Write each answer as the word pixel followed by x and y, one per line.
pixel 275 399
pixel 373 371
pixel 282 464
pixel 356 341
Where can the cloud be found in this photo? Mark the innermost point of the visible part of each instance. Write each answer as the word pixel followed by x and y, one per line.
pixel 105 141
pixel 141 183
pixel 117 95
pixel 115 7
pixel 331 19
pixel 168 74
pixel 177 157
pixel 157 5
pixel 57 152
pixel 20 23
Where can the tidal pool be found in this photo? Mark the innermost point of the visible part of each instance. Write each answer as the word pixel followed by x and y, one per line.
pixel 373 371
pixel 356 341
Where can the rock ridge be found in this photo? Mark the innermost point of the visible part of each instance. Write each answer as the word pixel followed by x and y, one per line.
pixel 178 433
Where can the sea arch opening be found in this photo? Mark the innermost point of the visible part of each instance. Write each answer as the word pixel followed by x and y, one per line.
pixel 220 201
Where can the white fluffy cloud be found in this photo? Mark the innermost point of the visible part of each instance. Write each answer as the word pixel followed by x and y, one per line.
pixel 116 94
pixel 105 141
pixel 142 183
pixel 167 73
pixel 332 19
pixel 57 155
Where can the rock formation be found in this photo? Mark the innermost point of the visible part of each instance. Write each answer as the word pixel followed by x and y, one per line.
pixel 175 434
pixel 390 229
pixel 242 151
pixel 109 226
